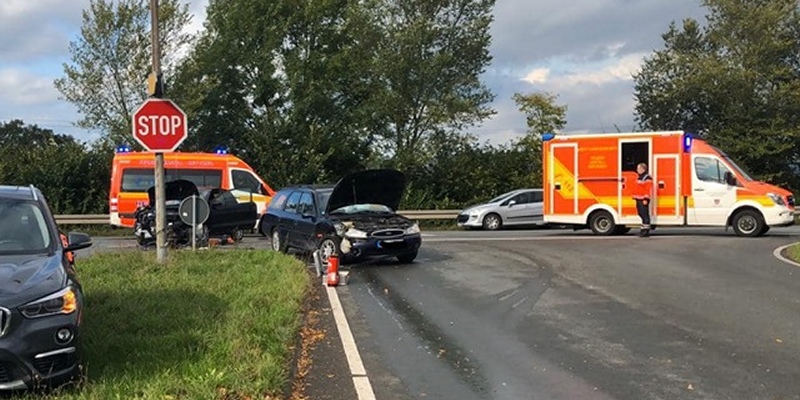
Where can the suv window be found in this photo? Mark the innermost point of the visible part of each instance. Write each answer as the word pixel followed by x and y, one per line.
pixel 292 201
pixel 245 181
pixel 23 228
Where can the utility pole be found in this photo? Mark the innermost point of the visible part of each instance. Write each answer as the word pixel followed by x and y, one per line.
pixel 161 212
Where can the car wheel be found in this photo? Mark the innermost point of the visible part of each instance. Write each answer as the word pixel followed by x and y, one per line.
pixel 277 242
pixel 492 222
pixel 328 247
pixel 407 258
pixel 602 223
pixel 237 235
pixel 748 223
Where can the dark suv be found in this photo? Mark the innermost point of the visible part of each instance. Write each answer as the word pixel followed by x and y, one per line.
pixel 41 302
pixel 355 219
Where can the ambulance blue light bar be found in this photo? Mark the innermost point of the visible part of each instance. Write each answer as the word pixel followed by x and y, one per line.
pixel 123 148
pixel 221 150
pixel 688 138
pixel 548 136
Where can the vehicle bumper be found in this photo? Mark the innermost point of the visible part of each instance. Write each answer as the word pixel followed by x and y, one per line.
pixel 780 216
pixel 381 247
pixel 31 356
pixel 469 221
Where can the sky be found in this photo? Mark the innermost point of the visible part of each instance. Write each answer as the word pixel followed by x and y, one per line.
pixel 583 51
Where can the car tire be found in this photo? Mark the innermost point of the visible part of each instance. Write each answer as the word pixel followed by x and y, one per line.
pixel 277 242
pixel 407 258
pixel 748 223
pixel 602 223
pixel 328 246
pixel 492 222
pixel 237 235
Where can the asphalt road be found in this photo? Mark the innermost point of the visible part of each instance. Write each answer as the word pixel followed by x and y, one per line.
pixel 556 314
pixel 685 314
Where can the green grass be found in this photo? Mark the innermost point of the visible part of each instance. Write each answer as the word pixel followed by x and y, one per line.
pixel 215 324
pixel 793 253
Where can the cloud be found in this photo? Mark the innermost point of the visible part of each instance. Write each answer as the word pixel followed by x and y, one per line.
pixel 611 71
pixel 538 75
pixel 25 88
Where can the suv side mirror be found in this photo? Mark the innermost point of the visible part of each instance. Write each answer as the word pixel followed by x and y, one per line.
pixel 730 179
pixel 78 241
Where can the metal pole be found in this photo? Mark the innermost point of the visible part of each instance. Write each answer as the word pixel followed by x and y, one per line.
pixel 161 212
pixel 194 222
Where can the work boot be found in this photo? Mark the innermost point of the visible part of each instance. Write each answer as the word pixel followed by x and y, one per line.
pixel 645 233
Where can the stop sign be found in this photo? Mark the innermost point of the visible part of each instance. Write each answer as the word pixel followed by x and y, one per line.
pixel 159 125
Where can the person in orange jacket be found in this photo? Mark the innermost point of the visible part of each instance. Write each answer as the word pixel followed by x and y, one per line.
pixel 642 195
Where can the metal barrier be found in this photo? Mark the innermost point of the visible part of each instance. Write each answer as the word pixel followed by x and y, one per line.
pixel 103 219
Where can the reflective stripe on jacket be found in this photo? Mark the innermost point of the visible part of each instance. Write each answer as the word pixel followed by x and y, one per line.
pixel 644 187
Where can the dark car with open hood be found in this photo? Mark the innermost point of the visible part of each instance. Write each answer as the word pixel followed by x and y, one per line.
pixel 41 300
pixel 354 219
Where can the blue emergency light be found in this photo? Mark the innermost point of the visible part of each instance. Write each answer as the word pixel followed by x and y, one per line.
pixel 221 150
pixel 548 136
pixel 123 148
pixel 687 142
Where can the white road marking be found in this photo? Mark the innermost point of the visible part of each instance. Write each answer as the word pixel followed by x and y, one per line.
pixel 360 379
pixel 779 256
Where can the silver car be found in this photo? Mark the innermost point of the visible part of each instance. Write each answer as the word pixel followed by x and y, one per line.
pixel 518 207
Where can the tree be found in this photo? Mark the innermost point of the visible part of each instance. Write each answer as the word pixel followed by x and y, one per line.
pixel 737 80
pixel 112 58
pixel 542 115
pixel 430 59
pixel 74 179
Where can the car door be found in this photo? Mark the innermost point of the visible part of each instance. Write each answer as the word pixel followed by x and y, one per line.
pixel 536 206
pixel 306 221
pixel 514 210
pixel 712 197
pixel 288 221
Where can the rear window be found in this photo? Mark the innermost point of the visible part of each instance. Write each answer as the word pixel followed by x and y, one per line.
pixel 278 201
pixel 141 179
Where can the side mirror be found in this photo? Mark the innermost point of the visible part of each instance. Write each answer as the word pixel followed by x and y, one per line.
pixel 512 203
pixel 730 179
pixel 78 241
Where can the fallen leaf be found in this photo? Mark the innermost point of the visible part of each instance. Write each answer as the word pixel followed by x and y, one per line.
pixel 778 341
pixel 441 352
pixel 690 387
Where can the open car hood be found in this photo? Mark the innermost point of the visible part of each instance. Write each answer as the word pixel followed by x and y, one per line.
pixel 375 186
pixel 173 190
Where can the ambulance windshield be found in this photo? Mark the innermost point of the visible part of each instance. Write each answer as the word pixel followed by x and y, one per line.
pixel 733 165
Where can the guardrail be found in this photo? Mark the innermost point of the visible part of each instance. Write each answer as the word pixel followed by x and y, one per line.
pixel 103 219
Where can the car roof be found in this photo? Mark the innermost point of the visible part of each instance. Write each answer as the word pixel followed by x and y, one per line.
pixel 310 187
pixel 19 192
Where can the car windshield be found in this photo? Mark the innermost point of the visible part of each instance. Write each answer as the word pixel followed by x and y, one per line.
pixel 738 169
pixel 23 228
pixel 363 209
pixel 501 197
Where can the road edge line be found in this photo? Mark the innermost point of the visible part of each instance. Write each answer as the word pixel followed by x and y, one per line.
pixel 357 370
pixel 777 253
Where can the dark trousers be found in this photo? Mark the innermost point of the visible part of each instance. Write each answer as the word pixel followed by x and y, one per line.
pixel 644 213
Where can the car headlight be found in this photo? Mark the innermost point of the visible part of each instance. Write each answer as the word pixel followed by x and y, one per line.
pixel 413 229
pixel 64 301
pixel 777 199
pixel 356 234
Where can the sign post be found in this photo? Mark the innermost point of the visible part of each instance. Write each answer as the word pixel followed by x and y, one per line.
pixel 159 126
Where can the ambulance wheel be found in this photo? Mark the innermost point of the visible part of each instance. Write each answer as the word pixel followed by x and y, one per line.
pixel 748 223
pixel 492 222
pixel 602 223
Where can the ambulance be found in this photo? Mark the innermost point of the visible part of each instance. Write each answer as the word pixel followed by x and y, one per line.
pixel 589 181
pixel 132 173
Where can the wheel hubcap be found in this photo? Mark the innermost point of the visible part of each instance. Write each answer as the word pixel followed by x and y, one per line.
pixel 327 248
pixel 602 225
pixel 276 241
pixel 747 224
pixel 493 223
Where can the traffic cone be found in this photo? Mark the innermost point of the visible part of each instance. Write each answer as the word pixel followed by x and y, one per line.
pixel 333 270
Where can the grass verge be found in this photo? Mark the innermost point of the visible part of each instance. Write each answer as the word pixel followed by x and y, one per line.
pixel 793 253
pixel 208 325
